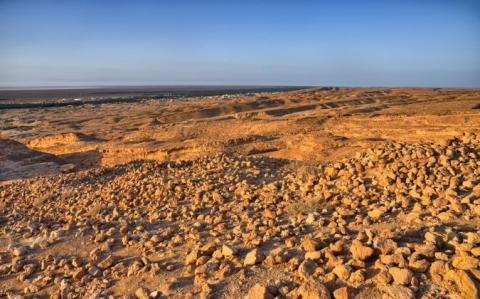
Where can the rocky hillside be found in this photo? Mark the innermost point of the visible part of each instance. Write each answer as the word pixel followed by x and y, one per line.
pixel 400 220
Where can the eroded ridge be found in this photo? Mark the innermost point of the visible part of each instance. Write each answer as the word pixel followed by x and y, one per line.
pixel 316 125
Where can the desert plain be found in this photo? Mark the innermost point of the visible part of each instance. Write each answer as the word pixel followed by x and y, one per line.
pixel 312 193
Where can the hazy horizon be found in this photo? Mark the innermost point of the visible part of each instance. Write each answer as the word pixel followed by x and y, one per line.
pixel 252 43
pixel 126 86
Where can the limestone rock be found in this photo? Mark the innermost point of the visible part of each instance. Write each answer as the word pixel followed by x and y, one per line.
pixel 342 271
pixel 464 262
pixel 398 292
pixel 465 283
pixel 192 257
pixel 401 276
pixel 376 213
pixel 359 251
pixel 228 251
pixel 313 289
pixel 142 293
pixel 259 292
pixel 307 268
pixel 254 257
pixel 309 244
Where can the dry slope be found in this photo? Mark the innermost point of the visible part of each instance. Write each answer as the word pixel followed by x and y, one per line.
pixel 400 220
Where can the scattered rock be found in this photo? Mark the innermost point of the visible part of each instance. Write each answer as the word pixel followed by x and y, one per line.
pixel 308 244
pixel 375 213
pixel 342 271
pixel 404 213
pixel 465 283
pixel 401 276
pixel 259 292
pixel 142 293
pixel 313 290
pixel 254 257
pixel 398 292
pixel 342 293
pixel 19 251
pixel 359 251
pixel 307 268
pixel 228 251
pixel 464 262
pixel 192 257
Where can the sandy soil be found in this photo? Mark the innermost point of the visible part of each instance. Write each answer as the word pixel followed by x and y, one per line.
pixel 318 193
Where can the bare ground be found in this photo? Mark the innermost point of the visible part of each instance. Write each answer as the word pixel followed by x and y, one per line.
pixel 321 192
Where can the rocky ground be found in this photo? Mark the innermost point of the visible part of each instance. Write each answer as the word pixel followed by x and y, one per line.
pixel 319 193
pixel 400 220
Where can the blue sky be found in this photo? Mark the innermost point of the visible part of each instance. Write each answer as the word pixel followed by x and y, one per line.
pixel 344 43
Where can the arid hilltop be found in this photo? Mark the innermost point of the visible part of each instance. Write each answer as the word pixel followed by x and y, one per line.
pixel 317 193
pixel 317 125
